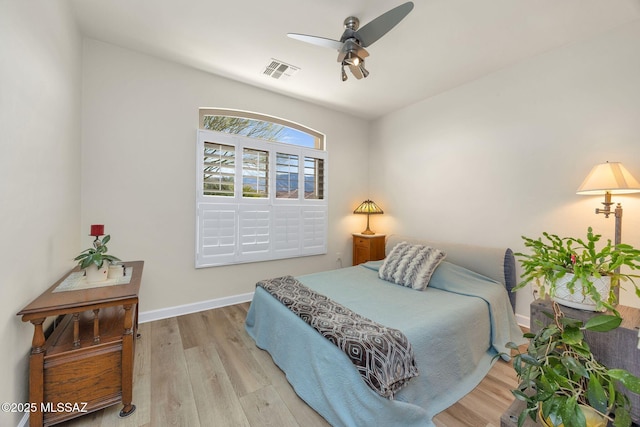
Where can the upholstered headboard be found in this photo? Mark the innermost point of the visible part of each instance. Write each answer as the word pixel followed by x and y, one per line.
pixel 495 263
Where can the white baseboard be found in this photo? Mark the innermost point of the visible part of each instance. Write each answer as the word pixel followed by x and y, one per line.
pixel 180 310
pixel 523 320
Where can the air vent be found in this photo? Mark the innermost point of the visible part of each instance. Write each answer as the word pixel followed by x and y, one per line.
pixel 280 70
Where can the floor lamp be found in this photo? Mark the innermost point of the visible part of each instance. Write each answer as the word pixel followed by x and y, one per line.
pixel 610 178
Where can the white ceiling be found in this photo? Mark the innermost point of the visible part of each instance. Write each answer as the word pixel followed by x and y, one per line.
pixel 441 44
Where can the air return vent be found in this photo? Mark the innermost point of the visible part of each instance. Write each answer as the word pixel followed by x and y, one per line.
pixel 280 70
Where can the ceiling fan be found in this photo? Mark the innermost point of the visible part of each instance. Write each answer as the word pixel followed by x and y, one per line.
pixel 351 46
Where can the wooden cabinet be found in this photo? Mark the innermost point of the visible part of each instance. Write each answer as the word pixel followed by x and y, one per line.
pixel 368 248
pixel 86 363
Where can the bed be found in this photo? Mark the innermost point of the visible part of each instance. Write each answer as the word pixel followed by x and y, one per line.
pixel 468 297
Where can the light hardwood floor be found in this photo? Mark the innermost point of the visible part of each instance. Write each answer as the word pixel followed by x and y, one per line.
pixel 205 370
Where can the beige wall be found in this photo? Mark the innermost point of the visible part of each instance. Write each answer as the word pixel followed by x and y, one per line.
pixel 503 156
pixel 140 116
pixel 39 186
pixel 487 162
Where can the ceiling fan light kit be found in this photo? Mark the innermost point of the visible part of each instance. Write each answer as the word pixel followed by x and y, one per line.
pixel 354 40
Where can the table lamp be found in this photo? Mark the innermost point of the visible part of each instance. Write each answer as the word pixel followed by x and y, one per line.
pixel 368 207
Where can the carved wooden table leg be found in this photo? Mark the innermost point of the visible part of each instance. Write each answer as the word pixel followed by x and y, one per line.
pixel 36 373
pixel 127 363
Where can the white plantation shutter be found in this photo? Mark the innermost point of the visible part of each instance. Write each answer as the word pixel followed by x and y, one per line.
pixel 233 226
pixel 287 228
pixel 217 236
pixel 254 232
pixel 314 220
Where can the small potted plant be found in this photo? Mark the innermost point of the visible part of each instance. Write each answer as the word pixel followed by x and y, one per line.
pixel 574 272
pixel 95 261
pixel 563 383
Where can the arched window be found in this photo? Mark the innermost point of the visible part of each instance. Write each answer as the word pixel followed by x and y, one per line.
pixel 261 189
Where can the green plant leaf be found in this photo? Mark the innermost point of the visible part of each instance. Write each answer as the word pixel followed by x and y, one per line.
pixel 612 393
pixel 578 419
pixel 529 359
pixel 574 366
pixel 557 378
pixel 545 389
pixel 549 332
pixel 596 394
pixel 582 349
pixel 524 414
pixel 630 381
pixel 572 335
pixel 623 418
pixel 568 321
pixel 603 323
pixel 520 395
pixel 568 412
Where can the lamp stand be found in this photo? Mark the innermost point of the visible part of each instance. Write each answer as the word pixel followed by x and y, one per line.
pixel 617 213
pixel 368 230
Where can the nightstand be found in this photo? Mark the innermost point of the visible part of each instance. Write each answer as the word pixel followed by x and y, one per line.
pixel 368 247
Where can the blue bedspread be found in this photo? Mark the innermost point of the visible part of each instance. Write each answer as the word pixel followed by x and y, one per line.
pixel 455 326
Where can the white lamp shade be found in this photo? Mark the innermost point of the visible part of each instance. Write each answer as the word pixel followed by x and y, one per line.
pixel 609 177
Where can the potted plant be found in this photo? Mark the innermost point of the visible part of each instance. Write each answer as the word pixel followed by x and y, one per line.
pixel 95 261
pixel 560 379
pixel 574 272
pixel 562 382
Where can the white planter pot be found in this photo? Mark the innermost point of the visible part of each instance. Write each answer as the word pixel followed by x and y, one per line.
pixel 95 274
pixel 577 298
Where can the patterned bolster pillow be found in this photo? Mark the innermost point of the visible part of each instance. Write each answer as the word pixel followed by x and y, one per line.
pixel 411 265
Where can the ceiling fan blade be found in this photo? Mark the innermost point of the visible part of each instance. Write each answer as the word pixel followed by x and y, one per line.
pixel 319 41
pixel 380 26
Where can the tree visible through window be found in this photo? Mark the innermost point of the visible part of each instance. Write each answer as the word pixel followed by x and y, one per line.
pixel 245 127
pixel 260 129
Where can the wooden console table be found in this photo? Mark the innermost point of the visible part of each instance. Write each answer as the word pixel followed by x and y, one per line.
pixel 86 363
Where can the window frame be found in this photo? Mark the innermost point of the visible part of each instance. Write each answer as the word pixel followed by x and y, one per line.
pixel 296 226
pixel 319 138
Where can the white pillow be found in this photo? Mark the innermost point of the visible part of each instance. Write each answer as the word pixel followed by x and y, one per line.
pixel 411 265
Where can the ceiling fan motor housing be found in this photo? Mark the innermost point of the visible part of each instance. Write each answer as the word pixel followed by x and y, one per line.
pixel 352 23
